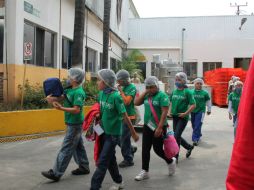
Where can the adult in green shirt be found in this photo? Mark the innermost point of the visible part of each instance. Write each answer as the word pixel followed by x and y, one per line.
pixel 233 103
pixel 182 103
pixel 202 100
pixel 112 112
pixel 128 92
pixel 73 145
pixel 154 129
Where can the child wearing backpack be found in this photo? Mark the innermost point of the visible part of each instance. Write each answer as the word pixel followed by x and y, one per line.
pixel 112 112
pixel 73 113
pixel 202 99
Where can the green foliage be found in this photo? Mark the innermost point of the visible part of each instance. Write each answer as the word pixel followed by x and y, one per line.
pixel 34 97
pixel 130 64
pixel 92 92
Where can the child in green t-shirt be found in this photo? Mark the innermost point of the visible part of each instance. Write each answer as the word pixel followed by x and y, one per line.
pixel 182 103
pixel 155 126
pixel 112 112
pixel 233 103
pixel 202 100
pixel 73 145
pixel 128 92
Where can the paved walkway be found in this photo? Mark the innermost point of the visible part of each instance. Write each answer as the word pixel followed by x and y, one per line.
pixel 206 169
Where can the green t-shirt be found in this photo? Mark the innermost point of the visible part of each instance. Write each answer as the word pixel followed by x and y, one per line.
pixel 180 100
pixel 235 99
pixel 201 97
pixel 130 90
pixel 77 97
pixel 159 100
pixel 111 109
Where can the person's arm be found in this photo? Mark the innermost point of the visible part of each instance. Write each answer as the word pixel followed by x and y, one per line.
pixel 73 110
pixel 140 99
pixel 169 110
pixel 126 99
pixel 230 109
pixel 190 109
pixel 50 99
pixel 209 106
pixel 159 129
pixel 132 130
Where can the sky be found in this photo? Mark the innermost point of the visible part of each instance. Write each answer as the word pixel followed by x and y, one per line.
pixel 171 8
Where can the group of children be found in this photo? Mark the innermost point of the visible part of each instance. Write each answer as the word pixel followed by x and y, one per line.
pixel 117 116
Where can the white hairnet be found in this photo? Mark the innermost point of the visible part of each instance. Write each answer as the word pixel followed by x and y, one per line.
pixel 152 81
pixel 198 80
pixel 76 74
pixel 238 82
pixel 236 79
pixel 123 75
pixel 108 76
pixel 182 76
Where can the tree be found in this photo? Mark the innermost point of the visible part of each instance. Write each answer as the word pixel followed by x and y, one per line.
pixel 106 27
pixel 77 48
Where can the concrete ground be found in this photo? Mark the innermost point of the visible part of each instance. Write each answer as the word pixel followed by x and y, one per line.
pixel 206 169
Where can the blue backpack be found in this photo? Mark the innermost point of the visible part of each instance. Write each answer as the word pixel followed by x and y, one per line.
pixel 53 86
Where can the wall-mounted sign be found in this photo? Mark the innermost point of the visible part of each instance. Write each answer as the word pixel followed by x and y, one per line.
pixel 30 9
pixel 28 51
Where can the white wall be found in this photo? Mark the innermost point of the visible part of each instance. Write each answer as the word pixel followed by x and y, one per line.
pixel 206 39
pixel 49 19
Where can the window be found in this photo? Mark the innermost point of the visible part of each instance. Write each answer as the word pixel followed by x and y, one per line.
pixel 113 64
pixel 43 50
pixel 29 35
pixel 100 66
pixel 66 53
pixel 92 62
pixel 243 63
pixel 1 40
pixel 49 49
pixel 207 66
pixel 190 68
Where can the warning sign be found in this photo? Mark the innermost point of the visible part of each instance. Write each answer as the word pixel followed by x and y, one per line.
pixel 28 47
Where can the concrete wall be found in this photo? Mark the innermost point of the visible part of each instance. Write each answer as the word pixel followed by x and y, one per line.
pixel 205 39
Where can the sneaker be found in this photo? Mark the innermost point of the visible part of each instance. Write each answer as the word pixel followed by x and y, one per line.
pixel 134 149
pixel 50 175
pixel 142 175
pixel 189 152
pixel 195 143
pixel 172 167
pixel 81 171
pixel 117 186
pixel 125 164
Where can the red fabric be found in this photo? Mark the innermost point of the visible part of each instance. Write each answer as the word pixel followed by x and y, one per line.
pixel 95 109
pixel 241 169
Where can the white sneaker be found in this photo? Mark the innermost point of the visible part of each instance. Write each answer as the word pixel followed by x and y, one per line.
pixel 142 175
pixel 172 167
pixel 117 186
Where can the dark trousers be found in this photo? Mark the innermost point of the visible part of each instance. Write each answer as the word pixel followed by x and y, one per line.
pixel 179 125
pixel 147 142
pixel 107 161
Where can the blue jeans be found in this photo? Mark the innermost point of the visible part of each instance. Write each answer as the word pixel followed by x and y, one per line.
pixel 72 146
pixel 106 161
pixel 235 121
pixel 126 148
pixel 196 121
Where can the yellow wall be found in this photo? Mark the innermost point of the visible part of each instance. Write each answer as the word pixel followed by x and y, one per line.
pixel 34 75
pixel 32 122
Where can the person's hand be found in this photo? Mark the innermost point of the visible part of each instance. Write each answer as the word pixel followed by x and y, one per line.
pixel 208 113
pixel 50 99
pixel 158 132
pixel 182 115
pixel 230 116
pixel 57 105
pixel 119 88
pixel 135 137
pixel 169 114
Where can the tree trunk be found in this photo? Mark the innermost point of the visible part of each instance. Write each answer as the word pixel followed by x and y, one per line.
pixel 77 48
pixel 106 26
